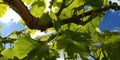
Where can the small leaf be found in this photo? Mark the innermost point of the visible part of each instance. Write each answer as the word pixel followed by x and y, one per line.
pixel 3 9
pixel 27 1
pixel 59 0
pixel 53 16
pixel 37 11
pixel 66 13
pixel 70 26
pixel 75 3
pixel 8 53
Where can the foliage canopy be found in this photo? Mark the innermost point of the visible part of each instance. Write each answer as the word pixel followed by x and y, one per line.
pixel 76 26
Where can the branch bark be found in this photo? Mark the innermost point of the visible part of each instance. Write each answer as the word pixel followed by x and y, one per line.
pixel 34 23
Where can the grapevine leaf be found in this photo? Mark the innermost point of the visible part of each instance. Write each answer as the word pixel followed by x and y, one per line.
pixel 69 11
pixel 93 22
pixel 8 53
pixel 76 40
pixel 109 48
pixel 41 51
pixel 23 46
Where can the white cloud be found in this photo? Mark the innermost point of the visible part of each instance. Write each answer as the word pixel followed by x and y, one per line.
pixel 47 9
pixel 39 34
pixel 10 16
pixel 115 1
pixel 118 2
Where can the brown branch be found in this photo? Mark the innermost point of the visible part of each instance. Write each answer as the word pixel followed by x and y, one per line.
pixel 21 9
pixel 29 19
pixel 34 23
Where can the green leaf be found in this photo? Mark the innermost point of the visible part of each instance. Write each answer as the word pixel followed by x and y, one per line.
pixel 70 26
pixel 13 35
pixel 69 11
pixel 8 53
pixel 53 16
pixel 27 1
pixel 109 48
pixel 66 13
pixel 68 2
pixel 23 46
pixel 75 40
pixel 41 51
pixel 96 3
pixel 45 18
pixel 59 0
pixel 37 11
pixel 56 25
pixel 1 0
pixel 112 50
pixel 3 58
pixel 1 45
pixel 3 9
pixel 75 3
pixel 94 20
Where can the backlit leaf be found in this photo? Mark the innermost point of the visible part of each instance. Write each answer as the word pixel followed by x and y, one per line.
pixel 8 53
pixel 66 13
pixel 53 16
pixel 37 11
pixel 3 9
pixel 27 1
pixel 23 46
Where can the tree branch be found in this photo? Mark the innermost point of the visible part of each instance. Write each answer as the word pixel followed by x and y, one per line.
pixel 31 21
pixel 34 23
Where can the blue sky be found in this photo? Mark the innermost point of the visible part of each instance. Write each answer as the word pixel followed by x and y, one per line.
pixel 110 21
pixel 9 23
pixel 7 28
